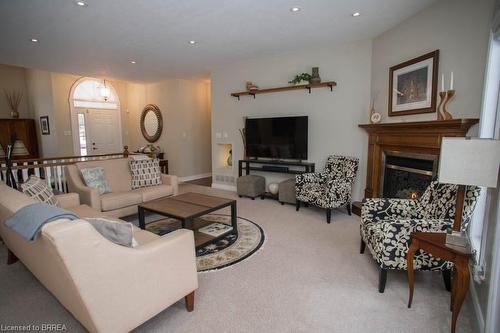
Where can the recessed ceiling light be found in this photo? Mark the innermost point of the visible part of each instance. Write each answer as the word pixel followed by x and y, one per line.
pixel 34 40
pixel 81 3
pixel 295 9
pixel 356 14
pixel 192 42
pixel 132 61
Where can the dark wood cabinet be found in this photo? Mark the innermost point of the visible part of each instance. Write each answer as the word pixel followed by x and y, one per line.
pixel 25 130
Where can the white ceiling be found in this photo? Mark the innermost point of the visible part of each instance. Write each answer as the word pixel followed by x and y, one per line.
pixel 101 38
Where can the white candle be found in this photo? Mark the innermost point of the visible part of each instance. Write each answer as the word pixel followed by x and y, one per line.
pixel 451 81
pixel 442 82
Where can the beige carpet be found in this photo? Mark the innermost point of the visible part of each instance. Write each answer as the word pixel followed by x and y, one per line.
pixel 308 277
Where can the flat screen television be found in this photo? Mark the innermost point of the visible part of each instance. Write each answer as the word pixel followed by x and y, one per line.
pixel 280 137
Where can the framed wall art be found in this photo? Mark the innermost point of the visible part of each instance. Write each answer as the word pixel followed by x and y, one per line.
pixel 413 85
pixel 44 125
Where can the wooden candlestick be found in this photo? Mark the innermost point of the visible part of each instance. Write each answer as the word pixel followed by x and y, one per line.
pixel 445 97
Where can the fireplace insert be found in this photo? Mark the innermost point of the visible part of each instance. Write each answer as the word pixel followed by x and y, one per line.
pixel 406 175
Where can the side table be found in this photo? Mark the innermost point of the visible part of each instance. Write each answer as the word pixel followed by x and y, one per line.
pixel 434 243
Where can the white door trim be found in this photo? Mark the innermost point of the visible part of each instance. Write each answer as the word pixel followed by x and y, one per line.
pixel 74 114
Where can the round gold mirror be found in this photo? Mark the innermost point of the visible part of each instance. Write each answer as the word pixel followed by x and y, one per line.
pixel 151 123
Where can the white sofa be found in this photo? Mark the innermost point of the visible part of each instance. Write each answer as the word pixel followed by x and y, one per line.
pixel 107 287
pixel 122 200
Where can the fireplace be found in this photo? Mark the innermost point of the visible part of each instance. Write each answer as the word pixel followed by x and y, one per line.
pixel 419 139
pixel 406 175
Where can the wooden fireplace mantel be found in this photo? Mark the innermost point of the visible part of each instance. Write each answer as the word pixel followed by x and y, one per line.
pixel 420 137
pixel 434 126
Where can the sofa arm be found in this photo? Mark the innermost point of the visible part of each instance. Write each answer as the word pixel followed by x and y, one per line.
pixel 302 180
pixel 380 209
pixel 172 181
pixel 68 200
pixel 123 287
pixel 338 192
pixel 88 195
pixel 311 177
pixel 392 238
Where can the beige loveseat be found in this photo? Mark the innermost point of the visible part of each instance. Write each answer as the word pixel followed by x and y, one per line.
pixel 107 287
pixel 122 200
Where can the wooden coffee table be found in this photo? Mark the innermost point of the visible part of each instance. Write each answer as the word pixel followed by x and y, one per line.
pixel 187 208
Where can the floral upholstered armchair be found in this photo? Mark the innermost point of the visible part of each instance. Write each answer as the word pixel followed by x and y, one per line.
pixel 329 189
pixel 386 225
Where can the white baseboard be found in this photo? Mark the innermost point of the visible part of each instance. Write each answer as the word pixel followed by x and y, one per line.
pixel 477 306
pixel 194 177
pixel 224 187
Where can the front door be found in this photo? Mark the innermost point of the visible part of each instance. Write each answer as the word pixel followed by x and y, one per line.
pixel 102 131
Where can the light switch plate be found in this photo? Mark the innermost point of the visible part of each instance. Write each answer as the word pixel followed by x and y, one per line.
pixel 218 135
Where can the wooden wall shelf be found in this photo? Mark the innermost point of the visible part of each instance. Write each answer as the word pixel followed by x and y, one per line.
pixel 308 87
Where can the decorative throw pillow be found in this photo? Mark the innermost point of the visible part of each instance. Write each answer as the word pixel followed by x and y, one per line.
pixel 145 173
pixel 38 189
pixel 116 231
pixel 94 177
pixel 139 157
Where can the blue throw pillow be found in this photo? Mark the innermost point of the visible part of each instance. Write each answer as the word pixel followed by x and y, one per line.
pixel 94 177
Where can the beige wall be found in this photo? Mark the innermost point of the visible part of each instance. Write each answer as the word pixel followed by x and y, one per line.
pixel 460 30
pixel 333 116
pixel 61 87
pixel 39 93
pixel 186 119
pixel 12 77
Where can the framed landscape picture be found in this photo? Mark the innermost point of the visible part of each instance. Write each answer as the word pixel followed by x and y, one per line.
pixel 44 125
pixel 413 85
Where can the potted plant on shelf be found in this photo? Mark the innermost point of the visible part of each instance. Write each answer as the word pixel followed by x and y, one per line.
pixel 299 79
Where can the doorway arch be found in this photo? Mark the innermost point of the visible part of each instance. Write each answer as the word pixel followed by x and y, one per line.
pixel 95 117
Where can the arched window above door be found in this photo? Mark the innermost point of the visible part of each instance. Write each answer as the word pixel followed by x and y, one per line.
pixel 95 94
pixel 95 117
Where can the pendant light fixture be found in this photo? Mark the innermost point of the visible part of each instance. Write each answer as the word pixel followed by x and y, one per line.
pixel 105 91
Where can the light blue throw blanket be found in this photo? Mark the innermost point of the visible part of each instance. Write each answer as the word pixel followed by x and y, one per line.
pixel 29 220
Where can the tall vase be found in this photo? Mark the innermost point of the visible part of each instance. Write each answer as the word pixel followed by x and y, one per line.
pixel 315 76
pixel 230 158
pixel 14 113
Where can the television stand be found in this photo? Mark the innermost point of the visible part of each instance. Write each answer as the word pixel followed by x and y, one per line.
pixel 276 166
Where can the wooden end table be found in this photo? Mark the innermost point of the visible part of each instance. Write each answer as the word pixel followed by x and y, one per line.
pixel 434 243
pixel 186 208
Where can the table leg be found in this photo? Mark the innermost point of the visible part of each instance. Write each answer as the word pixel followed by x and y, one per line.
pixel 142 222
pixel 460 289
pixel 453 286
pixel 187 224
pixel 234 218
pixel 411 274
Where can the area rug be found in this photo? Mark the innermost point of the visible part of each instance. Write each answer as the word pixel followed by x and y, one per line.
pixel 225 252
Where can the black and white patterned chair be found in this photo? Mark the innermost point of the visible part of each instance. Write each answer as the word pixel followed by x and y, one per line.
pixel 331 188
pixel 386 225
